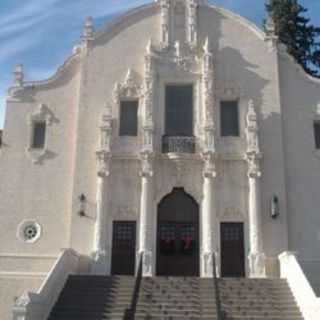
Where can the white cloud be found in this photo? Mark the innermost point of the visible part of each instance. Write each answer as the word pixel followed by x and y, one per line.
pixel 31 8
pixel 23 24
pixel 15 46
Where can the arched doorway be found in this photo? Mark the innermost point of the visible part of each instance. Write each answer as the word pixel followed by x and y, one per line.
pixel 178 235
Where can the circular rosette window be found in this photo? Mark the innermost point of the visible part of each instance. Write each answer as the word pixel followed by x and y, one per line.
pixel 29 231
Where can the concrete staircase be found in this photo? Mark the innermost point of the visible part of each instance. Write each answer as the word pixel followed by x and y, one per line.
pixel 257 299
pixel 176 298
pixel 102 298
pixel 94 298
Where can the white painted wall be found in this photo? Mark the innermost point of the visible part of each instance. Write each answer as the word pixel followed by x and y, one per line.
pixel 245 69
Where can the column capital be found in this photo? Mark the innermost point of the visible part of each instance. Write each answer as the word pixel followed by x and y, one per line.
pixel 147 158
pixel 209 170
pixel 254 166
pixel 103 163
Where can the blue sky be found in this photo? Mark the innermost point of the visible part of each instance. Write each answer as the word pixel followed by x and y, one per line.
pixel 41 33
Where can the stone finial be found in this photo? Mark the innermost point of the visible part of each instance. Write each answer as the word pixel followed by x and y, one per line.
pixel 129 80
pixel 18 75
pixel 271 37
pixel 270 26
pixel 88 30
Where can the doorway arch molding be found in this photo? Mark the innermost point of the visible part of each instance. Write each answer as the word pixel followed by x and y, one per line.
pixel 168 188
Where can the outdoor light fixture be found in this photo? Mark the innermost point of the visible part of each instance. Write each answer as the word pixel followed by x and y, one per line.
pixel 275 210
pixel 82 200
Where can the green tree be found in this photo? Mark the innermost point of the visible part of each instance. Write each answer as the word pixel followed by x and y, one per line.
pixel 294 29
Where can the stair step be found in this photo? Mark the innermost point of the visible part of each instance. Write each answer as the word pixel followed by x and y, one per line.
pixel 104 298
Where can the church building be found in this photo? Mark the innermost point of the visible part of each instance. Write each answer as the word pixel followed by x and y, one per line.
pixel 180 142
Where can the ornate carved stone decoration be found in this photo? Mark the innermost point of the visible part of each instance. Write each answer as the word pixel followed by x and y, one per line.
pixel 165 23
pixel 18 75
pixel 209 170
pixel 208 98
pixel 257 265
pixel 148 91
pixel 23 300
pixel 147 262
pixel 125 213
pixel 271 37
pixel 146 164
pixel 254 169
pixel 88 30
pixel 103 163
pixel 42 113
pixel 182 52
pixel 252 130
pixel 192 23
pixel 18 83
pixel 129 89
pixel 253 154
pixel 231 214
pixel 104 152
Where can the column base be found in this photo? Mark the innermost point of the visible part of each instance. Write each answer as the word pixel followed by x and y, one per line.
pixel 100 265
pixel 147 264
pixel 209 265
pixel 257 265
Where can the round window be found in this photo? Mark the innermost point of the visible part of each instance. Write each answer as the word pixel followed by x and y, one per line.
pixel 29 231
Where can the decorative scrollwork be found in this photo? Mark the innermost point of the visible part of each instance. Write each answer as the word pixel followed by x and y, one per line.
pixel 129 89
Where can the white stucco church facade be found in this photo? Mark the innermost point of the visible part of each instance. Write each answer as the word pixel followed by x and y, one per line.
pixel 180 131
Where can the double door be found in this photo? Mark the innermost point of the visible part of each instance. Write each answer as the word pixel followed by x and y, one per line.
pixel 178 249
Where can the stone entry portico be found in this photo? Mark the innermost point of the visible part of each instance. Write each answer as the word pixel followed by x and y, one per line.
pixel 209 240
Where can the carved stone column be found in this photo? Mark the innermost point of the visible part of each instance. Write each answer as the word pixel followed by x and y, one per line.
pixel 208 217
pixel 146 235
pixel 146 214
pixel 256 255
pixel 102 254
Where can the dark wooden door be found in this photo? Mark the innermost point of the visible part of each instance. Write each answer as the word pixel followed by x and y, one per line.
pixel 178 235
pixel 232 250
pixel 123 248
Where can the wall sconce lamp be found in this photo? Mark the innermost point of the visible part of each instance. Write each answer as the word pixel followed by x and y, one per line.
pixel 82 200
pixel 275 207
